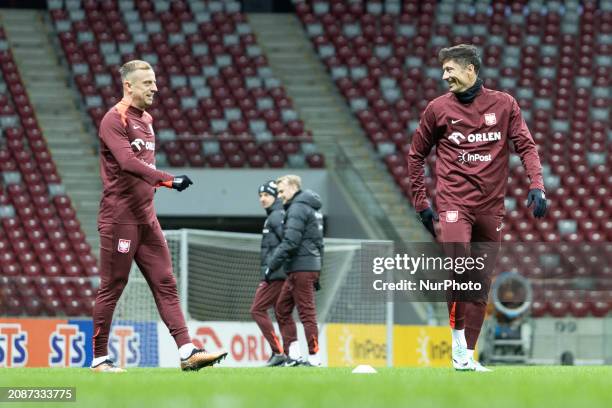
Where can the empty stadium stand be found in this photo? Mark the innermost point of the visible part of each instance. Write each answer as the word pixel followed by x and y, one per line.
pixel 46 264
pixel 554 57
pixel 218 104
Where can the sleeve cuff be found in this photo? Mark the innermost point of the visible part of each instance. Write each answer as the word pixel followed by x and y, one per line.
pixel 167 183
pixel 539 186
pixel 421 207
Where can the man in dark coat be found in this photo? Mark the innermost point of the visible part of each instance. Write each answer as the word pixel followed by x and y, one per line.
pixel 301 253
pixel 271 282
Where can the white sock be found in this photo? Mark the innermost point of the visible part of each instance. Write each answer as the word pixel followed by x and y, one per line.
pixel 459 338
pixel 314 359
pixel 470 353
pixel 294 350
pixel 185 350
pixel 99 360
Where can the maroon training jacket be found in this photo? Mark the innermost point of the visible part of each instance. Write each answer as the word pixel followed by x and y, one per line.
pixel 127 166
pixel 472 151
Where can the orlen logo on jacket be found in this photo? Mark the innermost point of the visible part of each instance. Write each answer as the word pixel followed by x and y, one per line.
pixel 458 137
pixel 124 346
pixel 67 345
pixel 13 345
pixel 137 144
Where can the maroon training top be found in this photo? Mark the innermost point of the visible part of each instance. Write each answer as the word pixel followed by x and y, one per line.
pixel 127 166
pixel 472 151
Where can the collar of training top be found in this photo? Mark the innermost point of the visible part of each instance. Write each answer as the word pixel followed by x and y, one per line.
pixel 469 94
pixel 134 110
pixel 131 108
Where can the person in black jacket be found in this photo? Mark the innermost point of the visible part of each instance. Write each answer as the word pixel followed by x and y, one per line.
pixel 271 283
pixel 300 252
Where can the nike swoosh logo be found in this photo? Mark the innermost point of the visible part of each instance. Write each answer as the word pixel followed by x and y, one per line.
pixel 455 121
pixel 136 127
pixel 499 228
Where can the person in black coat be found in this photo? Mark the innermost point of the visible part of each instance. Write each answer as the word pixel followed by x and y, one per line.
pixel 300 253
pixel 271 283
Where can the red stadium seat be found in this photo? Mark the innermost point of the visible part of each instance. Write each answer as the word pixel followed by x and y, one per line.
pixel 53 306
pixel 315 161
pixel 256 160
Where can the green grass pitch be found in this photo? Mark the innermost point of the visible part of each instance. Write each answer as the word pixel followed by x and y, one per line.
pixel 324 387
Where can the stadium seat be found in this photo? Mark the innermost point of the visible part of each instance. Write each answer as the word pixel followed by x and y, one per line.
pixel 237 84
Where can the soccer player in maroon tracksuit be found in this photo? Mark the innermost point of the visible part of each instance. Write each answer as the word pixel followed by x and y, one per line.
pixel 470 127
pixel 127 222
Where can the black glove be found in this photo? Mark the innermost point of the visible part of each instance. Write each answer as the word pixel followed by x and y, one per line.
pixel 317 285
pixel 538 197
pixel 180 183
pixel 427 217
pixel 267 274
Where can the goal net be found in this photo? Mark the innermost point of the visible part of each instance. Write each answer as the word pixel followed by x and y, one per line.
pixel 217 274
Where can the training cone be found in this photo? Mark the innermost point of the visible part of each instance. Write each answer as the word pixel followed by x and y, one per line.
pixel 364 369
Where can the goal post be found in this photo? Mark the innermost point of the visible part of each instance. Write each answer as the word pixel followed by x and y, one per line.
pixel 217 274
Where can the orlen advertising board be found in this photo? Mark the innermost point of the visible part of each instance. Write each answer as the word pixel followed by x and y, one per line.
pixel 243 341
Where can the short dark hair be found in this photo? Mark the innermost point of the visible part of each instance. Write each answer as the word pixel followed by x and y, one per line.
pixel 464 54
